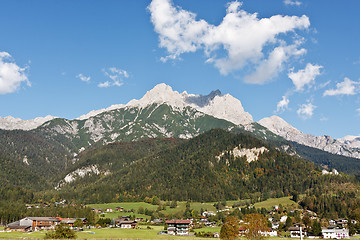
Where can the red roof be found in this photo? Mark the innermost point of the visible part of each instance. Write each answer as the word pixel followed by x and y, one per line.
pixel 179 221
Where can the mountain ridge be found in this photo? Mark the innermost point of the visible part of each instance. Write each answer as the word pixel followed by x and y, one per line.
pixel 345 146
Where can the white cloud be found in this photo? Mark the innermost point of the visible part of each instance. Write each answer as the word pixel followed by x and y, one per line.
pixel 116 76
pixel 306 110
pixel 104 84
pixel 83 78
pixel 282 104
pixel 245 39
pixel 324 119
pixel 347 87
pixel 11 75
pixel 305 77
pixel 292 2
pixel 270 67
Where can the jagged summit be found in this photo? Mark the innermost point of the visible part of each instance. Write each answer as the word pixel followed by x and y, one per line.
pixel 215 104
pixel 201 100
pixel 11 123
pixel 342 146
pixel 278 126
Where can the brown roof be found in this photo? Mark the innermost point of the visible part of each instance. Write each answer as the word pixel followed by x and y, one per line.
pixel 51 219
pixel 19 227
pixel 178 221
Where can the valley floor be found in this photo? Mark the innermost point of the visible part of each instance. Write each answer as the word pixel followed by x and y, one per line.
pixel 107 233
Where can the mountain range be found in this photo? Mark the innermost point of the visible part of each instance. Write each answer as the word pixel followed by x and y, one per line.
pixel 164 107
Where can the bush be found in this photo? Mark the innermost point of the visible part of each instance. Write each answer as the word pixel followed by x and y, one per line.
pixel 61 232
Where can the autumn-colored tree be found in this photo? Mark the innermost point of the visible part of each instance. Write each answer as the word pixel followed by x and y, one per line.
pixel 255 226
pixel 230 228
pixel 61 231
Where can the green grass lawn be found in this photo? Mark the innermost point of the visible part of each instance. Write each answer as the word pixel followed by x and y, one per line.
pixel 105 233
pixel 208 229
pixel 268 204
pixel 271 202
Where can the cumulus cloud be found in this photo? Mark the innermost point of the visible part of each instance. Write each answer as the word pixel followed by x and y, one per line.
pixel 292 3
pixel 270 67
pixel 245 39
pixel 116 77
pixel 83 77
pixel 282 104
pixel 11 75
pixel 306 110
pixel 347 87
pixel 305 77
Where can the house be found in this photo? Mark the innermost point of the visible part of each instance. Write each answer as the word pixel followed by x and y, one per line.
pixel 332 222
pixel 341 222
pixel 68 221
pixel 283 219
pixel 295 232
pixel 16 227
pixel 34 224
pixel 269 233
pixel 335 233
pixel 178 227
pixel 275 225
pixel 242 231
pixel 208 214
pixel 109 210
pixel 127 224
pixel 119 209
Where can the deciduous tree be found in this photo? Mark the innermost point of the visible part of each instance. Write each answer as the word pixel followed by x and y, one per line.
pixel 230 228
pixel 255 226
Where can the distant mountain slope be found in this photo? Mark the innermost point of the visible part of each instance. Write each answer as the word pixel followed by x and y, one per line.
pixel 212 166
pixel 326 143
pixel 15 175
pixel 33 152
pixel 100 161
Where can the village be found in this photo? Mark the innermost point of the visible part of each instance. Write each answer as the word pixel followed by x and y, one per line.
pixel 278 225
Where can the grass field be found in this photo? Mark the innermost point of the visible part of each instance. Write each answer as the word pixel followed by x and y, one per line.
pixel 105 233
pixel 208 229
pixel 271 202
pixel 108 233
pixel 135 206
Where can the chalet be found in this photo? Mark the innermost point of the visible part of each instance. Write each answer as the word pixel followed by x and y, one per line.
pixel 242 231
pixel 34 224
pixel 208 214
pixel 341 222
pixel 283 219
pixel 109 210
pixel 269 233
pixel 332 222
pixel 295 232
pixel 127 224
pixel 120 209
pixel 335 233
pixel 15 226
pixel 178 227
pixel 70 221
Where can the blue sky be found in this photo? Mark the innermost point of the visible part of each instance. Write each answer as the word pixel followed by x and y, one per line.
pixel 296 59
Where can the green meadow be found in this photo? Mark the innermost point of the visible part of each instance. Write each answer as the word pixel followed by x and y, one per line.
pixel 271 202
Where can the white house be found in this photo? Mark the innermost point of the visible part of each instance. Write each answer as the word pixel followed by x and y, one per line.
pixel 283 218
pixel 335 233
pixel 296 231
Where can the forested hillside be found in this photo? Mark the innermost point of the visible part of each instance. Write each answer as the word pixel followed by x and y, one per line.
pixel 203 169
